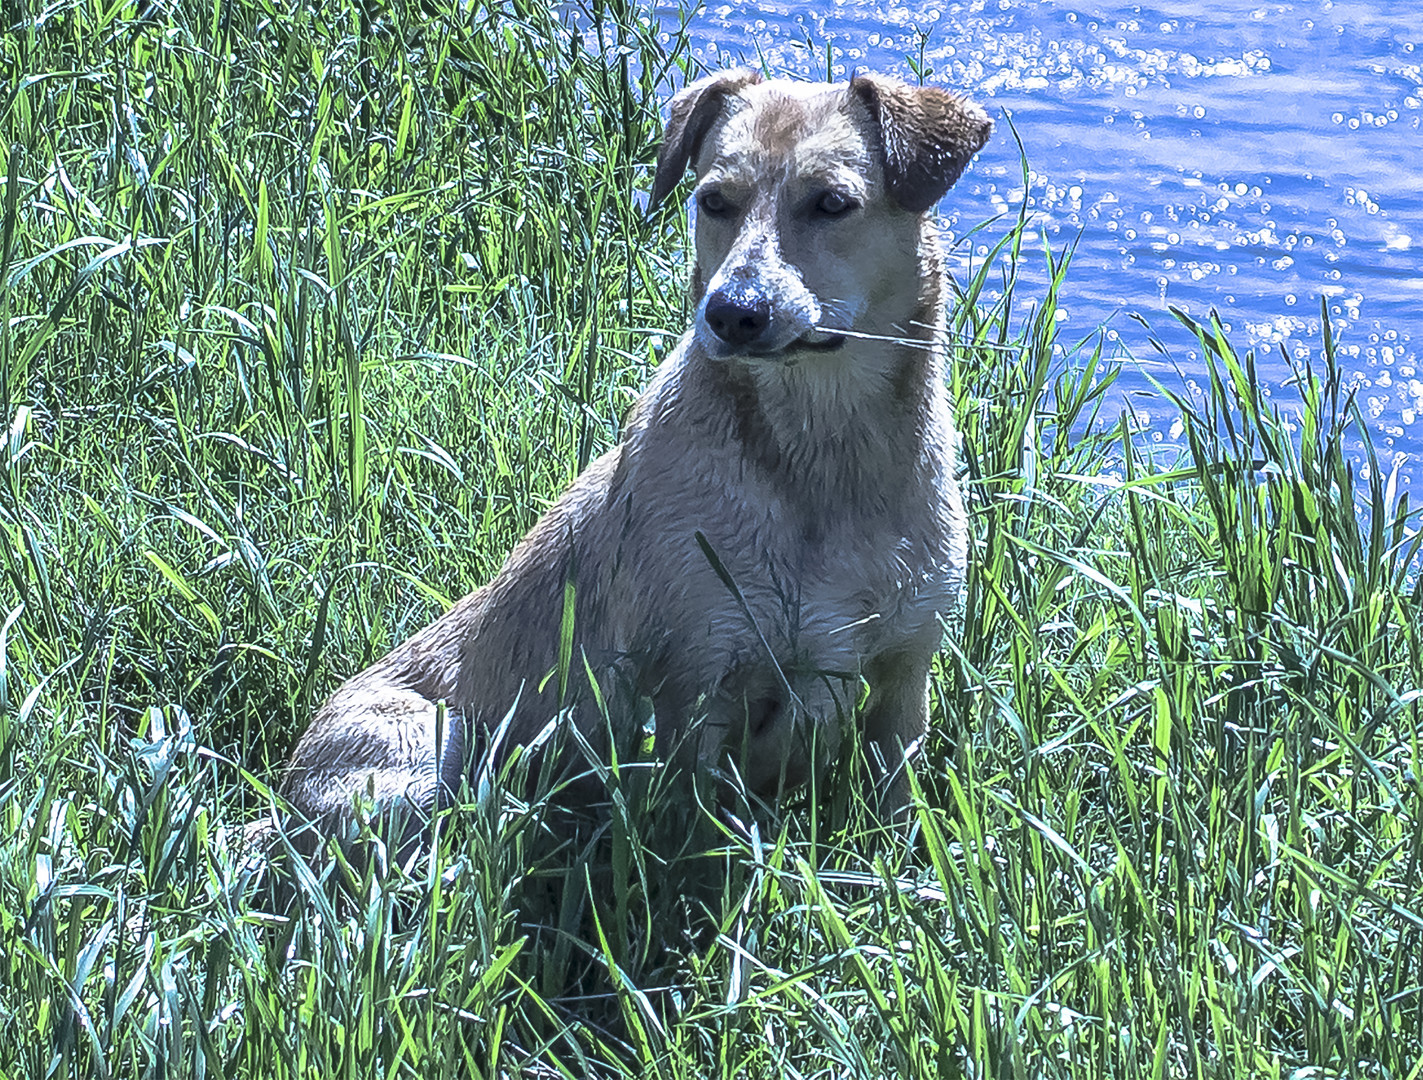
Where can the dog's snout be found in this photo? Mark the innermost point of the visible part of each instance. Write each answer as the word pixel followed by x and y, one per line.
pixel 738 318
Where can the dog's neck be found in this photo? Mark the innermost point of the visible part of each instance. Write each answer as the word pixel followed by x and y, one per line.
pixel 846 432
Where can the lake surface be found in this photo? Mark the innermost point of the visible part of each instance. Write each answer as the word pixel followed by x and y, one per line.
pixel 1247 157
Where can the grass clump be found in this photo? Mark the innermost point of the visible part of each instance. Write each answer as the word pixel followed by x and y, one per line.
pixel 307 314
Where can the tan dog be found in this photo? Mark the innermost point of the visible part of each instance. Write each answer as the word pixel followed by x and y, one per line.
pixel 779 526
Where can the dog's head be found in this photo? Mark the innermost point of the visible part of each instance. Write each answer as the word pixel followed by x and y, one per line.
pixel 810 204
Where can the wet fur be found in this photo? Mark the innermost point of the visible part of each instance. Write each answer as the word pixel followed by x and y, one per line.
pixel 778 523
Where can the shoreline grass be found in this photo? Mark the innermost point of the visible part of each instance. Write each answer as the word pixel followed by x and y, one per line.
pixel 306 315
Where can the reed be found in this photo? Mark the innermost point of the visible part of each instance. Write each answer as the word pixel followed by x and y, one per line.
pixel 307 313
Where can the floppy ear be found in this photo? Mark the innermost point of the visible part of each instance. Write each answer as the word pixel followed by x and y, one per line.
pixel 928 135
pixel 690 116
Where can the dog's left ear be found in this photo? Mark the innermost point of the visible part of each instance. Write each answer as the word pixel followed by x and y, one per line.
pixel 928 136
pixel 691 114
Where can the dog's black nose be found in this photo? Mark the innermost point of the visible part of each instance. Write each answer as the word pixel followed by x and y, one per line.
pixel 738 318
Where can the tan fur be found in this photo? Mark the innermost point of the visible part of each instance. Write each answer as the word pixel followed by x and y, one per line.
pixel 780 520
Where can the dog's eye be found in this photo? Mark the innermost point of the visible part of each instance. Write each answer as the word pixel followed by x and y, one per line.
pixel 833 204
pixel 713 203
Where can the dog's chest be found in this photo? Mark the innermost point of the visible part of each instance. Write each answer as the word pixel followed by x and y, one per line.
pixel 883 594
pixel 830 550
pixel 833 603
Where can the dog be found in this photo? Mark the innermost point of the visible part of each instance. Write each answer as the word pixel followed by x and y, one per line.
pixel 769 551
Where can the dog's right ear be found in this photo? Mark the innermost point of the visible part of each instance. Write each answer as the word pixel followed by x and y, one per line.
pixel 690 116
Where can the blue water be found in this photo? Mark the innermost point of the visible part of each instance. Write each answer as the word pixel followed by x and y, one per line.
pixel 1246 157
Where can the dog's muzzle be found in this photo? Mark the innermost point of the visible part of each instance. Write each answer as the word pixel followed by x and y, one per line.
pixel 738 318
pixel 742 320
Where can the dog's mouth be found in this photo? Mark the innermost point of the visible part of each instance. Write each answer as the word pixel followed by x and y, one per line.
pixel 817 341
pixel 814 341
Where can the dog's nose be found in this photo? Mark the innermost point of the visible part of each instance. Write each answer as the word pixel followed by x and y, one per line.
pixel 738 318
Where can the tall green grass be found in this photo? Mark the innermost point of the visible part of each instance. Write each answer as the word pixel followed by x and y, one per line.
pixel 306 314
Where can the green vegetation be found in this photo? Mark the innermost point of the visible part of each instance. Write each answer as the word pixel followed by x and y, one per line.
pixel 306 313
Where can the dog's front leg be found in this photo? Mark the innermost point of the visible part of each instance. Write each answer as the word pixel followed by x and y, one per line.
pixel 895 719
